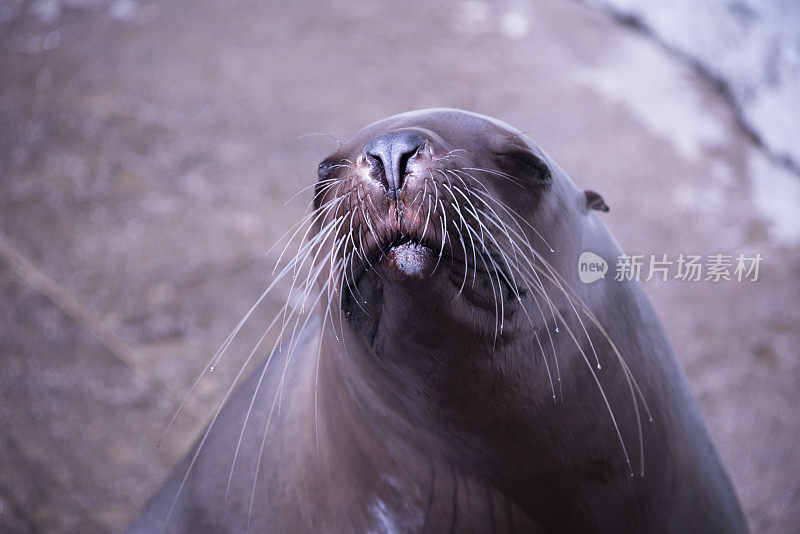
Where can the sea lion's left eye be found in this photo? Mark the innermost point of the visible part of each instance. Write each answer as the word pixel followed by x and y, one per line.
pixel 324 169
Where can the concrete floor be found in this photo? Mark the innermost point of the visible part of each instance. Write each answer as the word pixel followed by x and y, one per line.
pixel 147 151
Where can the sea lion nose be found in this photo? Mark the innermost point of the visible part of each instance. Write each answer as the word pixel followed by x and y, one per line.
pixel 392 151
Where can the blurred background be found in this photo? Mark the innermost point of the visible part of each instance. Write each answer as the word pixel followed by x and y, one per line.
pixel 148 150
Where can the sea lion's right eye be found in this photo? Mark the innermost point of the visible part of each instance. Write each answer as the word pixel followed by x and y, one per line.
pixel 523 162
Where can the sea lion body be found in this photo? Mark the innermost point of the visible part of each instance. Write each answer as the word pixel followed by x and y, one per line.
pixel 457 388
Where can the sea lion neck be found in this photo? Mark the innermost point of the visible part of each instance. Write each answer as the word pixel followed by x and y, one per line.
pixel 424 371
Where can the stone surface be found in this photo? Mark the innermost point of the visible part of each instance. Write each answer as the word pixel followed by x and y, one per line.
pixel 147 151
pixel 751 46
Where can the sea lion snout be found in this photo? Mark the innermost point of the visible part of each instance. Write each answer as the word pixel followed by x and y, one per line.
pixel 389 154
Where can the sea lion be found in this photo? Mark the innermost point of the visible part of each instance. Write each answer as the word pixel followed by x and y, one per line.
pixel 442 367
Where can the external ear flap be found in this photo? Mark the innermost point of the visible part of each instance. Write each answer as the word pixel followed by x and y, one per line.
pixel 594 201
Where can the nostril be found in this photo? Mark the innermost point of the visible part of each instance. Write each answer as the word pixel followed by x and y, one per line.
pixel 390 154
pixel 375 159
pixel 403 162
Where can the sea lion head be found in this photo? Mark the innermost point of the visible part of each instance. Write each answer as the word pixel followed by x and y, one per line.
pixel 442 212
pixel 449 245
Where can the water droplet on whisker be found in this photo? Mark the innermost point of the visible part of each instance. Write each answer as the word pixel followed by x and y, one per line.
pixel 211 369
pixel 599 367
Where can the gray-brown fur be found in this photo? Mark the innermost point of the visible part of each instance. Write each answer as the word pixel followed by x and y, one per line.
pixel 464 381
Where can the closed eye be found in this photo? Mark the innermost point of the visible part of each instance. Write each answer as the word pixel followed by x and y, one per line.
pixel 519 162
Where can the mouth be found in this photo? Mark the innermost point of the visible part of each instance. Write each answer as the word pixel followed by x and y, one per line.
pixel 411 261
pixel 400 258
pixel 425 271
pixel 408 259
